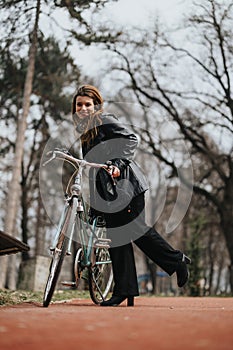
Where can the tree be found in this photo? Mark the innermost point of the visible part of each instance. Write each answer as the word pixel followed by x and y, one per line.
pixel 88 33
pixel 191 87
pixel 13 194
pixel 195 252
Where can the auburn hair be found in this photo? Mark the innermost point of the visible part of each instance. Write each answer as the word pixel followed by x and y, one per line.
pixel 90 129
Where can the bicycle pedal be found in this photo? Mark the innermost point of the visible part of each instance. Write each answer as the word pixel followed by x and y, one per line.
pixel 85 275
pixel 68 284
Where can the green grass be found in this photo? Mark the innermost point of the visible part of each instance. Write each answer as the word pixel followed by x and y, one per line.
pixel 8 297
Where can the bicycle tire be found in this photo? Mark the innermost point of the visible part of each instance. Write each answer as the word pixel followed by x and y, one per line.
pixel 54 271
pixel 77 266
pixel 59 253
pixel 100 273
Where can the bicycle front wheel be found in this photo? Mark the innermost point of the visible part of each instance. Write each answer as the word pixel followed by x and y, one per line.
pixel 100 273
pixel 54 270
pixel 60 252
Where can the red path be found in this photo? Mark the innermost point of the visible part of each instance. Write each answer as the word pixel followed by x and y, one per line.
pixel 153 323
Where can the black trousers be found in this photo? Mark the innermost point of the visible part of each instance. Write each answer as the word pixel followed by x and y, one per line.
pixel 129 225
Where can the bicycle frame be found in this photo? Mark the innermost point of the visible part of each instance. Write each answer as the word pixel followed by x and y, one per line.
pixel 83 230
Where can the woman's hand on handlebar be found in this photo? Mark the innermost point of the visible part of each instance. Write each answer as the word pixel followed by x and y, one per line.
pixel 113 170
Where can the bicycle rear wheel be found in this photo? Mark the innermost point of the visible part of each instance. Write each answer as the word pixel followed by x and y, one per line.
pixel 100 273
pixel 60 252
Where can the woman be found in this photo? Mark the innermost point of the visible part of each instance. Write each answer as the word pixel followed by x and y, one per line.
pixel 118 195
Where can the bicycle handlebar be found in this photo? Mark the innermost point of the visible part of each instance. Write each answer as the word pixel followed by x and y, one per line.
pixel 62 154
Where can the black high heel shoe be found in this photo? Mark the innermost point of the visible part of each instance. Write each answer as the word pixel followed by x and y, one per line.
pixel 117 300
pixel 182 271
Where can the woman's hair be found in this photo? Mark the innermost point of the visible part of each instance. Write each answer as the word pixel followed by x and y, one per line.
pixel 89 130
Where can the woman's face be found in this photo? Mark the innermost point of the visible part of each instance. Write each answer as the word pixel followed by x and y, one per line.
pixel 84 106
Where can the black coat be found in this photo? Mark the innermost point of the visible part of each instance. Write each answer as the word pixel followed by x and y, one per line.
pixel 116 143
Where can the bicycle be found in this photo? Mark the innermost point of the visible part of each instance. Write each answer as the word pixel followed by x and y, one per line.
pixel 93 254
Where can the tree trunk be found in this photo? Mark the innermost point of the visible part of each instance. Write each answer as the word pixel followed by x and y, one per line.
pixel 220 268
pixel 40 228
pixel 24 220
pixel 14 187
pixel 226 216
pixel 227 225
pixel 41 217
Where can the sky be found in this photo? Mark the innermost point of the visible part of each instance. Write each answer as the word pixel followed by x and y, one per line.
pixel 139 13
pixel 125 13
